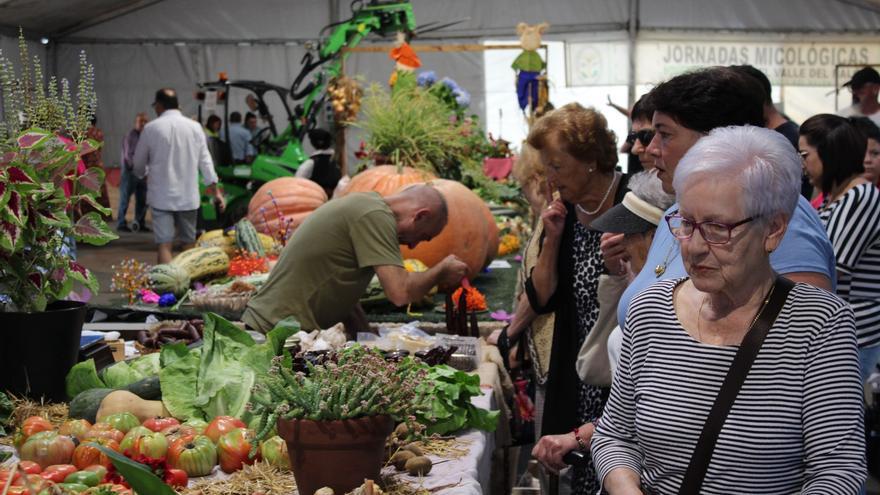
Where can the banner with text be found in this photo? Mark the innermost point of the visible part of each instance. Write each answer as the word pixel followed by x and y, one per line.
pixel 785 63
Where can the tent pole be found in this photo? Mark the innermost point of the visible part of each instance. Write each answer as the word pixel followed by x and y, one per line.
pixel 633 34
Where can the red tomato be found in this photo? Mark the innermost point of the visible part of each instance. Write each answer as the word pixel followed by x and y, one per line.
pixel 103 430
pixel 35 424
pixel 221 425
pixel 5 474
pixel 233 449
pixel 173 433
pixel 85 455
pixel 47 448
pixel 113 488
pixel 18 490
pixel 34 482
pixel 57 472
pixel 176 478
pixel 30 467
pixel 159 424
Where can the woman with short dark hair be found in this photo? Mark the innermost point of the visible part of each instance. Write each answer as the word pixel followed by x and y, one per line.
pixel 833 152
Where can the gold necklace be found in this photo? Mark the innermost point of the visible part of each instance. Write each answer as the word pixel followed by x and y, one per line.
pixel 752 324
pixel 661 268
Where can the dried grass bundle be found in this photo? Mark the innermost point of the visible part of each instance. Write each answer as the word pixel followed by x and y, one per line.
pixel 261 477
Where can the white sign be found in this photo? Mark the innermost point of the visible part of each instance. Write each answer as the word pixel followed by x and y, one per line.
pixel 597 64
pixel 785 63
pixel 210 102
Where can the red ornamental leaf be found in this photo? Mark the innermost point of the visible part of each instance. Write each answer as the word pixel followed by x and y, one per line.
pixel 7 157
pixel 91 179
pixel 76 267
pixel 9 234
pixel 71 147
pixel 17 176
pixel 14 205
pixel 30 139
pixel 86 147
pixel 36 279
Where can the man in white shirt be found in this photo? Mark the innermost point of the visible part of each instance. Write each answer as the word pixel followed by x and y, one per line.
pixel 171 152
pixel 865 86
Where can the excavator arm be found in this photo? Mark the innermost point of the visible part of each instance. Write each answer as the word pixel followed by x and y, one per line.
pixel 377 16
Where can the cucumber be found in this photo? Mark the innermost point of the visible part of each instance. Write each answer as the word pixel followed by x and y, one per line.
pixel 85 405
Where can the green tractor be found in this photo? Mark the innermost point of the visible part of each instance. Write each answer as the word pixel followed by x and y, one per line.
pixel 279 154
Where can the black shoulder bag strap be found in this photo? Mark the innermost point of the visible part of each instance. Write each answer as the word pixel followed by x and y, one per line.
pixel 739 369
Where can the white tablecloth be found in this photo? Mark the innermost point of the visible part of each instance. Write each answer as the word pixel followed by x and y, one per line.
pixel 468 475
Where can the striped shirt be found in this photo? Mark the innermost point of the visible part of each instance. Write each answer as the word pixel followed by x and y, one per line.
pixel 795 427
pixel 853 225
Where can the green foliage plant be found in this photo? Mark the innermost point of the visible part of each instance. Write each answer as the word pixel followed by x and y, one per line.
pixel 41 140
pixel 411 127
pixel 361 383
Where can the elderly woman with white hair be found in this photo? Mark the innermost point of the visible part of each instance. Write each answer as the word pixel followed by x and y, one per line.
pixel 734 379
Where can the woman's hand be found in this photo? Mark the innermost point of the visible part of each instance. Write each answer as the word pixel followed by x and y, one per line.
pixel 553 218
pixel 613 253
pixel 492 339
pixel 550 449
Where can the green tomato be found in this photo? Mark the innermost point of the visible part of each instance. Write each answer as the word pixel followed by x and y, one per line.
pixel 197 424
pixel 196 456
pixel 153 445
pixel 123 421
pixel 132 435
pixel 274 451
pixel 87 478
pixel 73 487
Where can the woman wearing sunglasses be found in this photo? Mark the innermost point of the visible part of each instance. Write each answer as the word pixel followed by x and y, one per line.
pixel 642 133
pixel 673 423
pixel 833 152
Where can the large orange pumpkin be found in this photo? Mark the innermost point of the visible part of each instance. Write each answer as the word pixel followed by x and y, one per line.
pixel 281 205
pixel 386 179
pixel 470 233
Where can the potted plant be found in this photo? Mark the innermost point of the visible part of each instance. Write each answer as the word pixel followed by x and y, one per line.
pixel 41 186
pixel 339 414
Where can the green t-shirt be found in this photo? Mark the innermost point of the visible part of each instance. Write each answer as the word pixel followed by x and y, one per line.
pixel 327 264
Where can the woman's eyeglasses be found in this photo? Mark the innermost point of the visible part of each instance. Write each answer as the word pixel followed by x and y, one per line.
pixel 644 136
pixel 713 232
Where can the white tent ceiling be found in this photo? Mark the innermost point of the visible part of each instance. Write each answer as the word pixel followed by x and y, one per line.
pixel 69 20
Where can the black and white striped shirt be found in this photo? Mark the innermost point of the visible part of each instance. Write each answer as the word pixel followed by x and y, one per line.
pixel 795 427
pixel 853 225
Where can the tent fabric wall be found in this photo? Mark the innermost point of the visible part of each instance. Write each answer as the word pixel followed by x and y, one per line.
pixel 217 20
pixel 759 15
pixel 127 77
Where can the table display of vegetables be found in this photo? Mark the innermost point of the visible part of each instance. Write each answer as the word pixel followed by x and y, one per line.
pixel 189 412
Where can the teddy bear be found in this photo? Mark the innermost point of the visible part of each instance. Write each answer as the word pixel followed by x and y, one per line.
pixel 529 65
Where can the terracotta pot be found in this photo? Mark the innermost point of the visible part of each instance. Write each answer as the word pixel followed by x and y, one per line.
pixel 337 454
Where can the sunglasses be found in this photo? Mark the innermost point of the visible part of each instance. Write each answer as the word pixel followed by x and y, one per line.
pixel 644 136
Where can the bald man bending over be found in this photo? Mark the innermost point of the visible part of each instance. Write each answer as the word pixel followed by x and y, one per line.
pixel 331 258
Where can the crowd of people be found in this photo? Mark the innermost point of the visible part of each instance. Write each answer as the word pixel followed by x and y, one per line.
pixel 161 162
pixel 700 326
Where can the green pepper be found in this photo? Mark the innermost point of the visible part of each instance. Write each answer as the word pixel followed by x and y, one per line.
pixel 88 478
pixel 73 487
